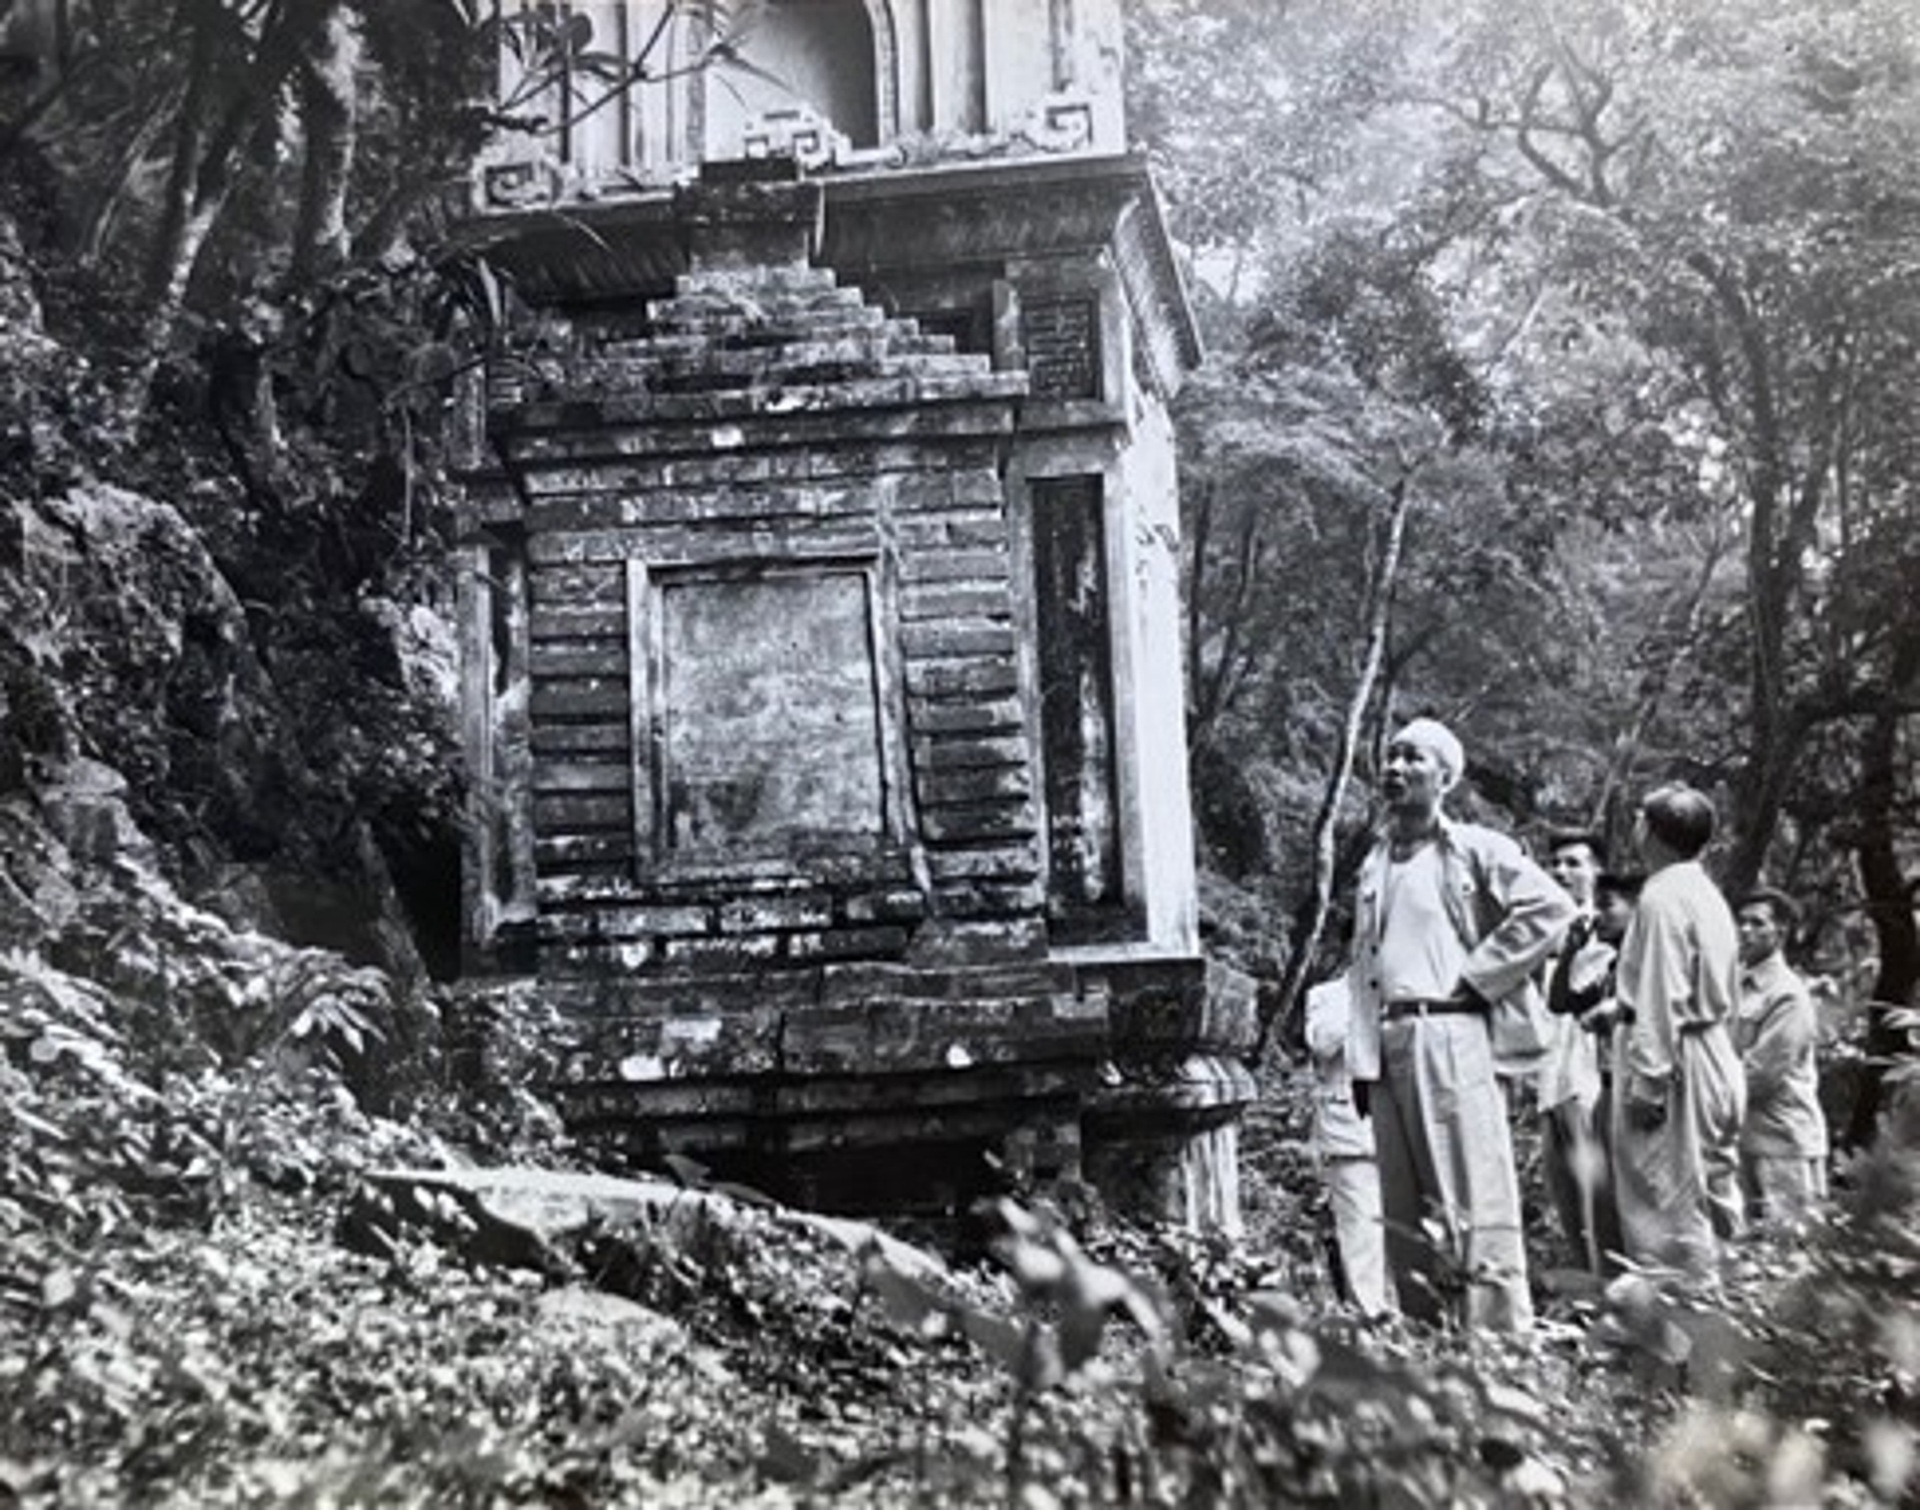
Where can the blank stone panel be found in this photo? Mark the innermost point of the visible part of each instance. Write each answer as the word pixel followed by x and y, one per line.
pixel 768 716
pixel 1072 601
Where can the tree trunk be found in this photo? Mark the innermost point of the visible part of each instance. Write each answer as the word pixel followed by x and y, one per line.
pixel 234 85
pixel 92 229
pixel 327 117
pixel 1282 1006
pixel 1890 904
pixel 1627 745
pixel 172 234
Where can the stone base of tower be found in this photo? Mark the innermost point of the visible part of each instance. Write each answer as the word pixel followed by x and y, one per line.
pixel 875 1089
pixel 1160 1135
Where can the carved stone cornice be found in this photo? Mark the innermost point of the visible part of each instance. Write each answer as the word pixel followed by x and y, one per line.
pixel 891 220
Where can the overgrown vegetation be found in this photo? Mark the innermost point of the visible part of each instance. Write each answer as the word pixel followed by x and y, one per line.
pixel 227 800
pixel 197 1306
pixel 1591 315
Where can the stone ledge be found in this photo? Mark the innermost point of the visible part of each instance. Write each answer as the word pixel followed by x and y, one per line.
pixel 892 1017
pixel 1185 1002
pixel 1198 1086
pixel 528 1218
pixel 565 436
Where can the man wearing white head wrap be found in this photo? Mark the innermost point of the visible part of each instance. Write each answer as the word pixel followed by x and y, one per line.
pixel 1521 1027
pixel 1450 919
pixel 1439 741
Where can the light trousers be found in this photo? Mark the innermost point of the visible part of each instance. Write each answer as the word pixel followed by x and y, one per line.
pixel 1782 1188
pixel 1678 1184
pixel 1578 1168
pixel 1360 1231
pixel 1448 1187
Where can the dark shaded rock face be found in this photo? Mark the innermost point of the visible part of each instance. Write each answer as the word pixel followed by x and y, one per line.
pixel 141 705
pixel 282 730
pixel 120 639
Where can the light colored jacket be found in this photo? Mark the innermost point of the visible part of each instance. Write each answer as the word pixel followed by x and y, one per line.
pixel 1679 971
pixel 1508 912
pixel 1338 1131
pixel 1776 1029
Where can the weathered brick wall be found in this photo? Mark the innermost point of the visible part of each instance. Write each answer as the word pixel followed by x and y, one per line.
pixel 771 427
pixel 758 681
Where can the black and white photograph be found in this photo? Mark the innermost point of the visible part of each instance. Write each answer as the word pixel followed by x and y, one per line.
pixel 1028 754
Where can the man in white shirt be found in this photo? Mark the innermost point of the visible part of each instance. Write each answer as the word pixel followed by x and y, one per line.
pixel 1679 1091
pixel 1450 920
pixel 1572 1144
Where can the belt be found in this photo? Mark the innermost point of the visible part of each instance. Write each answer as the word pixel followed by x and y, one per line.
pixel 1427 1006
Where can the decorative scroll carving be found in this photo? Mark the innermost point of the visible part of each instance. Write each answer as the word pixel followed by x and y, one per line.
pixel 1059 122
pixel 798 132
pixel 516 184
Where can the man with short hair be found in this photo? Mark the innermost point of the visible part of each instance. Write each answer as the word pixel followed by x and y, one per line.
pixel 1596 1005
pixel 1679 1092
pixel 1450 919
pixel 1783 1142
pixel 1572 1144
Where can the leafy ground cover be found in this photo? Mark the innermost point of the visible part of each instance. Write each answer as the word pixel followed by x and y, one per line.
pixel 195 1307
pixel 183 1320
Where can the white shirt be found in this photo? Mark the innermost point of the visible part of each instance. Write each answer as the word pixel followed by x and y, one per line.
pixel 1421 951
pixel 1572 1068
pixel 1338 1131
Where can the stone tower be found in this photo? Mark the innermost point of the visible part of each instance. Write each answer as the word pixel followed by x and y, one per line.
pixel 822 630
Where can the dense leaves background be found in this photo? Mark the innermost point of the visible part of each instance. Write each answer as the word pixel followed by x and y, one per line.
pixel 1561 385
pixel 1609 302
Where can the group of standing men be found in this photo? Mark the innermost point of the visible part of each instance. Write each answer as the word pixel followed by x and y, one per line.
pixel 1667 1049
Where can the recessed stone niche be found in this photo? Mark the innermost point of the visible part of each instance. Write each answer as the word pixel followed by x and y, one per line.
pixel 766 699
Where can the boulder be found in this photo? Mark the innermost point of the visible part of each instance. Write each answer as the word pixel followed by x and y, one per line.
pixel 578 1309
pixel 85 805
pixel 536 1218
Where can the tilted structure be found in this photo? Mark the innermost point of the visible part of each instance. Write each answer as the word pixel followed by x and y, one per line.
pixel 822 625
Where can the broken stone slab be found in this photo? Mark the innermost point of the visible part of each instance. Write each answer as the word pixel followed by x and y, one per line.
pixel 596 1311
pixel 533 1218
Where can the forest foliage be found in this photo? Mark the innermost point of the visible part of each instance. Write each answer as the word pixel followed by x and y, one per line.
pixel 1626 295
pixel 1560 385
